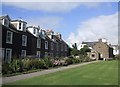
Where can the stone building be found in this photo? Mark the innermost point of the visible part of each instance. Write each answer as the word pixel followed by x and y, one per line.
pixel 105 50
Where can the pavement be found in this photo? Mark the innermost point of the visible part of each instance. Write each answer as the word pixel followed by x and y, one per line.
pixel 30 75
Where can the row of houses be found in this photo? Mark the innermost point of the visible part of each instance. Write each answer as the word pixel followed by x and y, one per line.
pixel 101 50
pixel 19 40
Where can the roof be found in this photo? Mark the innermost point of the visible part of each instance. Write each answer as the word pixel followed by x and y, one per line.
pixel 2 17
pixel 33 27
pixel 18 21
pixel 89 44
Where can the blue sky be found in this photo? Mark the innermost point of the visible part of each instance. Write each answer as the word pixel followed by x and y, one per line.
pixel 66 18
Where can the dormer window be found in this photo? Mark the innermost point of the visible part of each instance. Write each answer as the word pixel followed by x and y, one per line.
pixel 20 25
pixel 6 22
pixel 24 27
pixel 34 31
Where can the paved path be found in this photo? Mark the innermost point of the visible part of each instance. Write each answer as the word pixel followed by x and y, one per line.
pixel 25 76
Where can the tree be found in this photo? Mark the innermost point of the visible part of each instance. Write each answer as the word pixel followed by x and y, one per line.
pixel 84 50
pixel 74 46
pixel 75 52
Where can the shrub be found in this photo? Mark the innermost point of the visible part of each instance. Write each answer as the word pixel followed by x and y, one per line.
pixel 69 61
pixel 48 62
pixel 6 69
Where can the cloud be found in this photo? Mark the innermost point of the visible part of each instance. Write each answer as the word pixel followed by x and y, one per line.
pixel 95 28
pixel 51 6
pixel 46 22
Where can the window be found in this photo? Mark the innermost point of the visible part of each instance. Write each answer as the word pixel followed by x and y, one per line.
pixel 51 45
pixel 46 44
pixel 34 31
pixel 61 47
pixel 38 43
pixel 9 37
pixel 24 40
pixel 8 55
pixel 20 25
pixel 38 54
pixel 23 53
pixel 57 47
pixel 51 54
pixel 6 22
pixel 93 55
pixel 24 27
pixel 46 54
pixel 65 47
pixel 2 50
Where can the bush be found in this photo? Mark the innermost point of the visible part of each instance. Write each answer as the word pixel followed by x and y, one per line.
pixel 6 69
pixel 48 62
pixel 69 61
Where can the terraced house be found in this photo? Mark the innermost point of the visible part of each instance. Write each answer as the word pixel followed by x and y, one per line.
pixel 20 40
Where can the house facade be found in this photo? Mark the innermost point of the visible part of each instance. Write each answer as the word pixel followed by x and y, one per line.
pixel 19 41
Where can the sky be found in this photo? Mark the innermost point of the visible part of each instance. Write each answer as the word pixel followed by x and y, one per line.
pixel 76 21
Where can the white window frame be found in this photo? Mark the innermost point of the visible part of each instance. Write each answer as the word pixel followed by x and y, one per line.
pixel 46 54
pixel 38 43
pixel 20 25
pixel 6 22
pixel 38 54
pixel 11 37
pixel 23 53
pixel 34 31
pixel 2 54
pixel 24 27
pixel 9 58
pixel 46 44
pixel 24 40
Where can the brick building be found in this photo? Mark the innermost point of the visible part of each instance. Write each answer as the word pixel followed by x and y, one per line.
pixel 19 40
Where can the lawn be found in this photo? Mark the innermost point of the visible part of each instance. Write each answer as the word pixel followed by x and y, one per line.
pixel 99 73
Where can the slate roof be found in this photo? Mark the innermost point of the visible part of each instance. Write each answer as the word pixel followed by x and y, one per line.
pixel 89 44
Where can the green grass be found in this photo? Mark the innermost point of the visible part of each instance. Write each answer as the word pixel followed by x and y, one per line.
pixel 99 73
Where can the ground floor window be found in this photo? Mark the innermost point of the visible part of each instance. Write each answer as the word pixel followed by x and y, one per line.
pixel 46 54
pixel 2 50
pixel 38 54
pixel 8 55
pixel 23 53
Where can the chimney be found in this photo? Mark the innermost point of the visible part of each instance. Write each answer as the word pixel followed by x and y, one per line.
pixel 100 40
pixel 59 35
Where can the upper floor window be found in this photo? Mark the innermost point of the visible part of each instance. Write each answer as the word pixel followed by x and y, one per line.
pixel 46 44
pixel 9 37
pixel 38 43
pixel 6 22
pixel 24 40
pixel 34 31
pixel 57 47
pixel 51 45
pixel 65 47
pixel 20 25
pixel 61 47
pixel 24 27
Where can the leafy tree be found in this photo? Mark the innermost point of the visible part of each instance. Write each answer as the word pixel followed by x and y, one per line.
pixel 75 52
pixel 84 50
